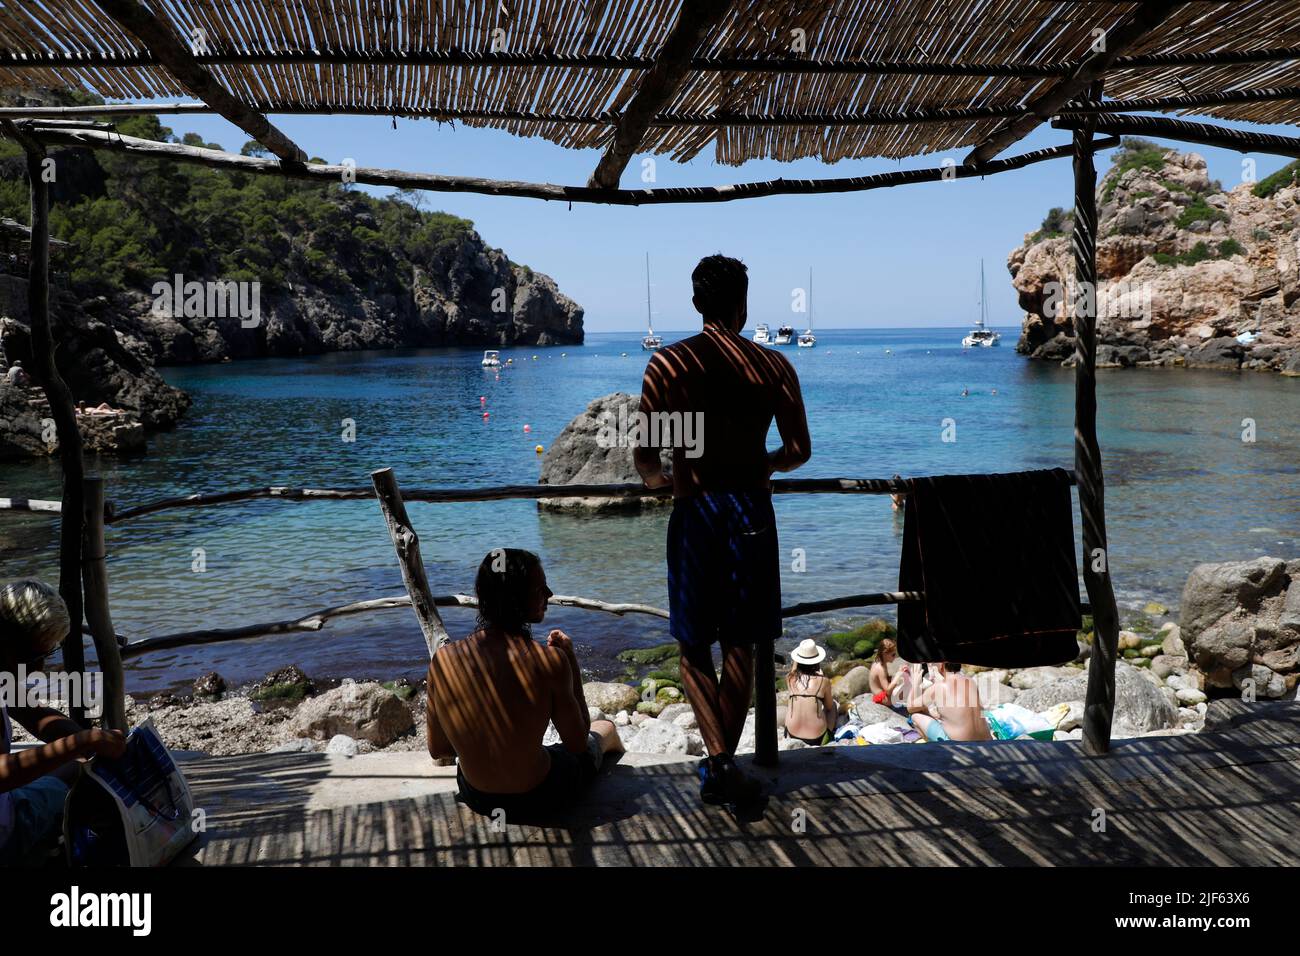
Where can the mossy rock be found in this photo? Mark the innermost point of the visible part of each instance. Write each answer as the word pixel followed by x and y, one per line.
pixel 671 671
pixel 1086 625
pixel 287 683
pixel 1130 653
pixel 1155 609
pixel 279 692
pixel 645 656
pixel 862 640
pixel 402 688
pixel 1140 661
pixel 651 707
pixel 669 695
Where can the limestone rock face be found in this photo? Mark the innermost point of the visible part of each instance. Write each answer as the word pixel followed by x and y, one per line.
pixel 1184 267
pixel 1240 621
pixel 365 711
pixel 20 428
pixel 591 450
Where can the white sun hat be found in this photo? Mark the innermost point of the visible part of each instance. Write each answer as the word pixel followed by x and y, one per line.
pixel 808 652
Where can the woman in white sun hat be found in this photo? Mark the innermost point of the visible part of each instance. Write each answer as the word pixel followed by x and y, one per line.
pixel 810 714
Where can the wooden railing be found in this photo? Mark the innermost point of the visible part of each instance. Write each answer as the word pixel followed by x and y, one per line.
pixel 112 649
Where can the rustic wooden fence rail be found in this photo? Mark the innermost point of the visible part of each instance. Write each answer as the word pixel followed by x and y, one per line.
pixel 112 649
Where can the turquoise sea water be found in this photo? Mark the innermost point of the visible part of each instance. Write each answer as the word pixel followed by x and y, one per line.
pixel 1182 486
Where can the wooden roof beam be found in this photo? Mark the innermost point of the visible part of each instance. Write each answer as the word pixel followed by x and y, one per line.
pixel 694 21
pixel 1245 141
pixel 1145 19
pixel 48 59
pixel 80 137
pixel 881 117
pixel 162 41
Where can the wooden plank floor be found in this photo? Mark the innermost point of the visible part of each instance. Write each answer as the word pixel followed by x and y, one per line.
pixel 1230 797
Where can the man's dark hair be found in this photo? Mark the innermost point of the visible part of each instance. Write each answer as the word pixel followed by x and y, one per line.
pixel 720 282
pixel 502 585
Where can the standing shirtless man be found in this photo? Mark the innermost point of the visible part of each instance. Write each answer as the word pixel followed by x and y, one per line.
pixel 724 581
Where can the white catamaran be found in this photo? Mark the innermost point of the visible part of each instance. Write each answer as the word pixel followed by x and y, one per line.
pixel 806 338
pixel 981 337
pixel 651 342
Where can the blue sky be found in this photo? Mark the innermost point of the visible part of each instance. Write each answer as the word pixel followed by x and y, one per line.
pixel 905 256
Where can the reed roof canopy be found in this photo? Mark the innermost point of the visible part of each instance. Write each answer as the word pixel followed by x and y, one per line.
pixel 766 79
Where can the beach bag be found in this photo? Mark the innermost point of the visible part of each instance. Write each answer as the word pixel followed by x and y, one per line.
pixel 1009 721
pixel 133 811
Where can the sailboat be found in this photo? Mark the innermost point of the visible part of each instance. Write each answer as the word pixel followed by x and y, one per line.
pixel 650 342
pixel 980 336
pixel 806 338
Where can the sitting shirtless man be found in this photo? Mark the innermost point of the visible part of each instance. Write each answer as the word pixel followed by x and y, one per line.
pixel 492 694
pixel 949 709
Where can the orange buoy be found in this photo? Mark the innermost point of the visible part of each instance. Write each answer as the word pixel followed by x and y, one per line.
pixel 538 449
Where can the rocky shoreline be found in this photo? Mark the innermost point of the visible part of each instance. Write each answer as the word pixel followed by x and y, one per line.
pixel 1237 636
pixel 1189 274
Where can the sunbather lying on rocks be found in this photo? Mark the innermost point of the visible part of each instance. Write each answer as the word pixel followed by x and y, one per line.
pixel 949 707
pixel 492 695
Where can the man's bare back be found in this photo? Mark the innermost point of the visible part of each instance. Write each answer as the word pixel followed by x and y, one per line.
pixel 736 388
pixel 492 698
pixel 956 703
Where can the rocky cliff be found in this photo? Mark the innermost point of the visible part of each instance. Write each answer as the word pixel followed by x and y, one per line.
pixel 307 268
pixel 1189 274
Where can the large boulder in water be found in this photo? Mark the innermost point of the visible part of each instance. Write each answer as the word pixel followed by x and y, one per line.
pixel 592 450
pixel 1241 620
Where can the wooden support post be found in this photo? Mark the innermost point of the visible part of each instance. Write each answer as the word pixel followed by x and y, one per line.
pixel 765 703
pixel 61 406
pixel 407 544
pixel 94 576
pixel 1100 705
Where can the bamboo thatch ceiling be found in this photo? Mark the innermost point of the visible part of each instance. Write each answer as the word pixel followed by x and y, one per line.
pixel 534 98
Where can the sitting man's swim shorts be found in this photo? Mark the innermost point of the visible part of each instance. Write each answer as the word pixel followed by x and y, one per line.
pixel 570 775
pixel 724 574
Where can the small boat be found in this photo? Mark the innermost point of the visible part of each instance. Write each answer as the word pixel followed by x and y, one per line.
pixel 491 359
pixel 981 337
pixel 806 338
pixel 650 342
pixel 784 334
pixel 761 335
